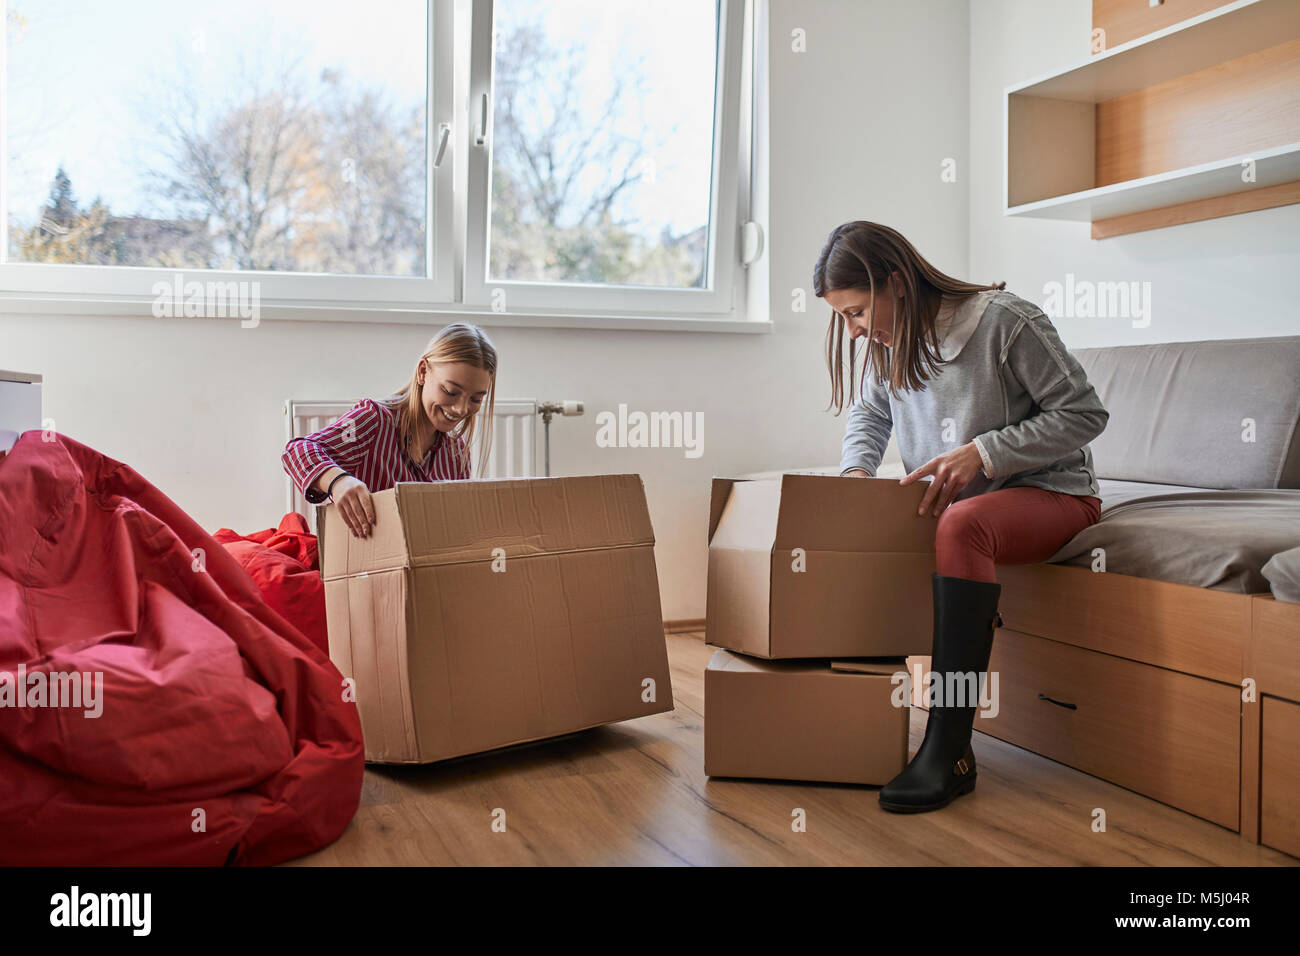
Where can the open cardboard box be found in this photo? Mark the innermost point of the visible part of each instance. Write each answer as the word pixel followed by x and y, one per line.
pixel 832 721
pixel 480 614
pixel 814 566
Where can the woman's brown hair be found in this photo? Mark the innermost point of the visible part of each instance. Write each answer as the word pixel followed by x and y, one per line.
pixel 458 343
pixel 859 254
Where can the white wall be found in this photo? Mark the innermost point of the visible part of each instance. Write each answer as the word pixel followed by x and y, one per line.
pixel 859 126
pixel 1218 279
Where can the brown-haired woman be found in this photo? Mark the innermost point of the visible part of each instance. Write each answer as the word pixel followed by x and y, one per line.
pixel 422 432
pixel 990 403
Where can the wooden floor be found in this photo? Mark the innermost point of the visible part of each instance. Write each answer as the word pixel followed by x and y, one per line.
pixel 635 794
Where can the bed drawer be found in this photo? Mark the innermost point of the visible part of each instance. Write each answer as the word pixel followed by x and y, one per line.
pixel 1279 776
pixel 1169 736
pixel 1275 626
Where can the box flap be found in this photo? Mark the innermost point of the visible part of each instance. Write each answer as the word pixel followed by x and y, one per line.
pixel 452 522
pixel 868 665
pixel 724 660
pixel 718 500
pixel 342 554
pixel 822 513
pixel 319 515
pixel 748 519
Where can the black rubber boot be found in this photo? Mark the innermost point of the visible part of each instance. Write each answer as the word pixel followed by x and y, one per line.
pixel 965 615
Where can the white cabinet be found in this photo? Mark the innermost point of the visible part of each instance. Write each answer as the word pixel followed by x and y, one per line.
pixel 20 405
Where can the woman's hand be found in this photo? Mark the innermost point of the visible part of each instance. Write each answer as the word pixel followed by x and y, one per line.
pixel 952 472
pixel 855 473
pixel 352 498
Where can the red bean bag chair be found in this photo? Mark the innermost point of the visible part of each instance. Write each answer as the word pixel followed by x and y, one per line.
pixel 223 735
pixel 283 564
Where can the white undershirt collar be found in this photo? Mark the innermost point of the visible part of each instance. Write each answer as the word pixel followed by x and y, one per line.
pixel 957 319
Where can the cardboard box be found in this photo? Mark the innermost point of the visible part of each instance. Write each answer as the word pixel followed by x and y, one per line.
pixel 481 614
pixel 814 566
pixel 804 720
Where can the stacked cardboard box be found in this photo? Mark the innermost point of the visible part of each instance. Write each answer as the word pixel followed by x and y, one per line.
pixel 480 614
pixel 819 588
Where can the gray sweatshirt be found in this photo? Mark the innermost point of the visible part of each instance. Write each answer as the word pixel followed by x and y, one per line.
pixel 1008 384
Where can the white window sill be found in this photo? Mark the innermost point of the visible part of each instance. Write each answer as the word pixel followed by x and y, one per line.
pixel 12 303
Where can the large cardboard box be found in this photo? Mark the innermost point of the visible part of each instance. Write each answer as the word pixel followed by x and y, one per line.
pixel 804 720
pixel 480 614
pixel 816 566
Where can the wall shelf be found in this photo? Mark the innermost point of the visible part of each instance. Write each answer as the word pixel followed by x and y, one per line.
pixel 1162 125
pixel 1219 178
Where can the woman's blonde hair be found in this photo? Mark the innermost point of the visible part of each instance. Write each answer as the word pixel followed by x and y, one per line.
pixel 457 344
pixel 859 254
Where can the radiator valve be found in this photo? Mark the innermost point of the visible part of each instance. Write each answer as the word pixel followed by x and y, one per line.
pixel 550 409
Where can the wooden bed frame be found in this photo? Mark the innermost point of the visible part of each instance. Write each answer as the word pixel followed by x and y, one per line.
pixel 1187 695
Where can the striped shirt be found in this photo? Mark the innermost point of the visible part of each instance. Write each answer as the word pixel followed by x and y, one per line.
pixel 367 444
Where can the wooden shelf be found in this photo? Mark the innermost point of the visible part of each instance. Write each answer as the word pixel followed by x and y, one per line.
pixel 1163 125
pixel 1220 178
pixel 1223 34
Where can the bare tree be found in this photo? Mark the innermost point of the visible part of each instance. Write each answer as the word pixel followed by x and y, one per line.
pixel 559 168
pixel 327 182
pixel 246 168
pixel 373 161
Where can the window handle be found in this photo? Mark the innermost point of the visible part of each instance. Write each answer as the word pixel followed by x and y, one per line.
pixel 751 243
pixel 444 132
pixel 481 138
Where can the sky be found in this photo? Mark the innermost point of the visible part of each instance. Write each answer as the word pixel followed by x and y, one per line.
pixel 87 80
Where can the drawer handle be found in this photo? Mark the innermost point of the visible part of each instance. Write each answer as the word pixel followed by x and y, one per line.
pixel 1058 703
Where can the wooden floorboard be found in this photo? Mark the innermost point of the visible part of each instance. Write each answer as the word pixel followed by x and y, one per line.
pixel 635 794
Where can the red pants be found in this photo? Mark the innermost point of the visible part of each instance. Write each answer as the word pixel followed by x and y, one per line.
pixel 1021 525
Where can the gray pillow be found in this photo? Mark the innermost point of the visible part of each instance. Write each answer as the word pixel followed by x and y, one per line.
pixel 1283 573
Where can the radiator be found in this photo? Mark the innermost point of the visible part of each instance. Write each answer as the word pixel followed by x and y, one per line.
pixel 514 440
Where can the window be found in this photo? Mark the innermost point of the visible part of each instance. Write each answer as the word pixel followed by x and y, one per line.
pixel 594 165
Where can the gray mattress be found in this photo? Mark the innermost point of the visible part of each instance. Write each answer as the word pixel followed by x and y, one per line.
pixel 1203 537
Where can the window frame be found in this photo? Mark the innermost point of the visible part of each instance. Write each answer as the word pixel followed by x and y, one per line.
pixel 720 298
pixel 450 290
pixel 118 287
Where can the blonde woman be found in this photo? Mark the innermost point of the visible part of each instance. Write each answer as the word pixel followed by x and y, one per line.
pixel 423 432
pixel 986 401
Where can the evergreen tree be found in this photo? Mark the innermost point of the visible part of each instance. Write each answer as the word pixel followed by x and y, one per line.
pixel 61 208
